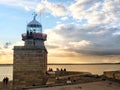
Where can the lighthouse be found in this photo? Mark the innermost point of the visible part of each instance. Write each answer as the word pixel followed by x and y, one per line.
pixel 30 60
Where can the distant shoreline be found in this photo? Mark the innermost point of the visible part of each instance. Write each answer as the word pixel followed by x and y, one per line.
pixel 72 64
pixel 84 64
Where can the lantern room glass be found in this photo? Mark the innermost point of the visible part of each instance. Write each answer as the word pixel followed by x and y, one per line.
pixel 34 29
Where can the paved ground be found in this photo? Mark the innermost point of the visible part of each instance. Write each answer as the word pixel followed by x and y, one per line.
pixel 98 85
pixel 101 85
pixel 6 87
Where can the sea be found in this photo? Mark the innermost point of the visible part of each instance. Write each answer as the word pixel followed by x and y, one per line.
pixel 7 70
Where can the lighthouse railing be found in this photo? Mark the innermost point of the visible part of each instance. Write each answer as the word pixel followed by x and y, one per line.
pixel 34 36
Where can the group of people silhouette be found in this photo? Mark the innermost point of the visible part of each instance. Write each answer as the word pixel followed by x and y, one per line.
pixel 57 69
pixel 5 80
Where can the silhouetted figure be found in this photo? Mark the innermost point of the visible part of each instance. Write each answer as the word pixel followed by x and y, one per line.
pixel 65 69
pixel 61 69
pixel 50 70
pixel 57 69
pixel 31 33
pixel 27 33
pixel 57 73
pixel 5 80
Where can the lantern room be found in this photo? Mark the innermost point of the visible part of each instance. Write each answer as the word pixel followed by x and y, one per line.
pixel 34 30
pixel 34 26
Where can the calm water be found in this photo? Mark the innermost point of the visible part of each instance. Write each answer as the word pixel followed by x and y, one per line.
pixel 95 69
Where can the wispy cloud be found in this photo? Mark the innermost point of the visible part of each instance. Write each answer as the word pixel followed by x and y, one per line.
pixel 6 52
pixel 26 4
pixel 54 9
pixel 64 18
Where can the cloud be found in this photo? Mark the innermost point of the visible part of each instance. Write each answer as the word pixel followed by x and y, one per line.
pixel 40 8
pixel 4 54
pixel 80 7
pixel 58 22
pixel 96 11
pixel 54 9
pixel 116 33
pixel 64 18
pixel 7 51
pixel 70 43
pixel 88 40
pixel 26 4
pixel 80 44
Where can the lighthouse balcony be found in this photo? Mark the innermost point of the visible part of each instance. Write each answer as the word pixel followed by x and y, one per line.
pixel 40 36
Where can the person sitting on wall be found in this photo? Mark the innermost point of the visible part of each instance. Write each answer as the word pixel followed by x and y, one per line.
pixel 65 69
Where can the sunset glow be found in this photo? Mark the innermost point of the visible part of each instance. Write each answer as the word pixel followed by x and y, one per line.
pixel 78 31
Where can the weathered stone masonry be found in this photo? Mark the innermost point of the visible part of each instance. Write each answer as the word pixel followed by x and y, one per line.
pixel 30 65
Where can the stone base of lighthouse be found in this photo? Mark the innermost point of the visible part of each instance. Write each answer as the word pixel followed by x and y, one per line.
pixel 29 68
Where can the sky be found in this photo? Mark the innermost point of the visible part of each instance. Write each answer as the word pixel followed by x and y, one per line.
pixel 78 31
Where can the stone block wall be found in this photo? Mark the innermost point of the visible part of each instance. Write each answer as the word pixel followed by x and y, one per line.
pixel 112 74
pixel 30 65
